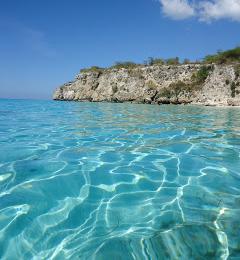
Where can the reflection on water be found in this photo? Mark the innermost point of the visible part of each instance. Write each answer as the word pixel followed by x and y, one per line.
pixel 118 181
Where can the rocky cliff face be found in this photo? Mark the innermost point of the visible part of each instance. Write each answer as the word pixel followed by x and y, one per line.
pixel 177 84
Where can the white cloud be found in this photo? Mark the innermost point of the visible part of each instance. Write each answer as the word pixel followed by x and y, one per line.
pixel 219 9
pixel 177 9
pixel 204 10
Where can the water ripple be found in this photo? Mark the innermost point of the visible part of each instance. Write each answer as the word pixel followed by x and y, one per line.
pixel 118 181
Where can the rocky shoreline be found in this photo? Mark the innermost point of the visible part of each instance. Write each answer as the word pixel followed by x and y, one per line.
pixel 205 84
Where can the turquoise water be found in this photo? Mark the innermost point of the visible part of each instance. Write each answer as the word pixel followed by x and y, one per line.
pixel 118 181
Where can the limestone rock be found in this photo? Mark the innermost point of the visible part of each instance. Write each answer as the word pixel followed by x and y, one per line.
pixel 164 84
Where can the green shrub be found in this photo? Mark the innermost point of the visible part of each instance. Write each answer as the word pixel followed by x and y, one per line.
pixel 175 89
pixel 214 59
pixel 202 74
pixel 221 57
pixel 124 65
pixel 154 61
pixel 229 56
pixel 233 90
pixel 158 61
pixel 178 87
pixel 172 61
pixel 92 69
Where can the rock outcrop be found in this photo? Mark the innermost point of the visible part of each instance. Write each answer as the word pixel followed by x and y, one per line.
pixel 165 84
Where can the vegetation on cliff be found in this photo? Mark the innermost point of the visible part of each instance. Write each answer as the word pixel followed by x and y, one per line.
pixel 92 69
pixel 125 65
pixel 222 57
pixel 177 88
pixel 201 75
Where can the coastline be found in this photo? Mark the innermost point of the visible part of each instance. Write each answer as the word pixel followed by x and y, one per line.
pixel 152 104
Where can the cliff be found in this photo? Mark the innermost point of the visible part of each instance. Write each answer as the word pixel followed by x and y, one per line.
pixel 162 84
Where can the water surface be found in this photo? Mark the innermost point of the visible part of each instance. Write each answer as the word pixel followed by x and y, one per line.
pixel 118 181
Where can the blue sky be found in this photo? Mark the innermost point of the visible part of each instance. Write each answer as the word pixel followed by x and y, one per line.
pixel 45 43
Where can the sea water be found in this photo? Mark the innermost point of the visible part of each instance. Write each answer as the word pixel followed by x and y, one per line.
pixel 118 181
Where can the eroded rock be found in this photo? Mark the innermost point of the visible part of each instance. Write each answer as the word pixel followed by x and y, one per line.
pixel 176 84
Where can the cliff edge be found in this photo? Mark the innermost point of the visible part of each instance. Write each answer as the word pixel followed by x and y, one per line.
pixel 205 84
